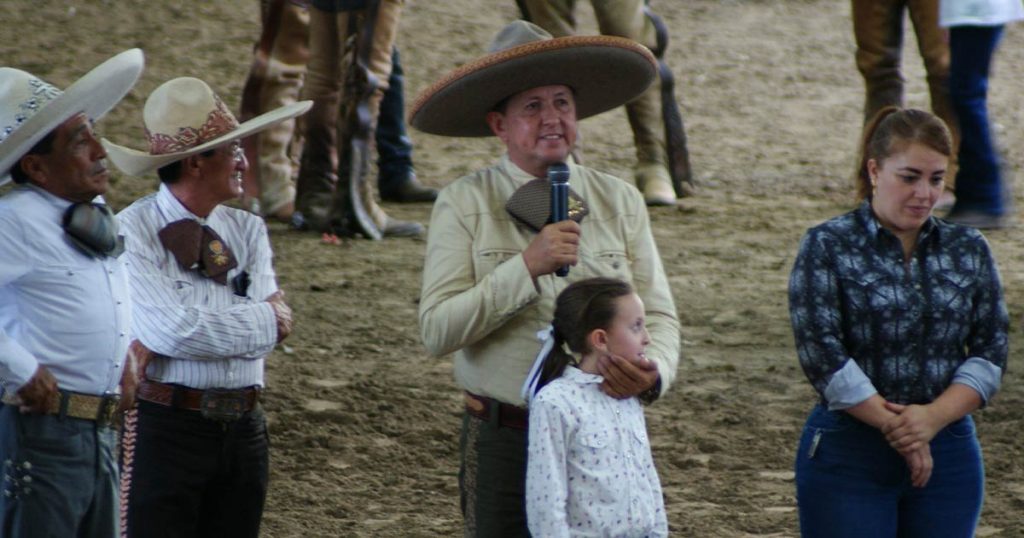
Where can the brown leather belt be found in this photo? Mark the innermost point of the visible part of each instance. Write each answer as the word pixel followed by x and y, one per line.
pixel 182 397
pixel 489 409
pixel 100 409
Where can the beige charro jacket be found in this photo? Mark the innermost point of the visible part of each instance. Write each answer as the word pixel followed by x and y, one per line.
pixel 479 302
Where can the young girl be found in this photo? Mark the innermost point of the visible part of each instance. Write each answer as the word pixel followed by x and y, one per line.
pixel 589 469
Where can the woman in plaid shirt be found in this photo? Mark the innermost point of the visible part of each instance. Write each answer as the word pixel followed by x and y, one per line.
pixel 901 327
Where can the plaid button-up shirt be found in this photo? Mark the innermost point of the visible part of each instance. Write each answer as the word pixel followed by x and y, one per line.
pixel 866 321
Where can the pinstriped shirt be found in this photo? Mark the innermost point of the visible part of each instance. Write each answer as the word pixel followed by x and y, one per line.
pixel 209 337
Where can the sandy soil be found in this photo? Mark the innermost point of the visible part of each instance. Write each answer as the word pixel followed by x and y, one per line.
pixel 365 425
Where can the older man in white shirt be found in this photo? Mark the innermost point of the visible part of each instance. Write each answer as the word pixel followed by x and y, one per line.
pixel 64 306
pixel 207 312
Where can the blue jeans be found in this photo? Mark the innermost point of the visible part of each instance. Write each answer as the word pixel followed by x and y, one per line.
pixel 60 476
pixel 978 183
pixel 850 483
pixel 394 148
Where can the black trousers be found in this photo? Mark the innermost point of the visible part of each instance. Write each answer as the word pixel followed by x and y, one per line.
pixel 184 476
pixel 492 479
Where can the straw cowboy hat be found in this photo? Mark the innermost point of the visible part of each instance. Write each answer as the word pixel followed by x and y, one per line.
pixel 603 71
pixel 183 117
pixel 30 108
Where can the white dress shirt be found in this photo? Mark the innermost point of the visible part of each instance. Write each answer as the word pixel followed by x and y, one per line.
pixel 59 308
pixel 208 336
pixel 979 12
pixel 589 469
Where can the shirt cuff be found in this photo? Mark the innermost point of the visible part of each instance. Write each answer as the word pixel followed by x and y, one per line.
pixel 981 375
pixel 848 387
pixel 266 319
pixel 511 287
pixel 18 368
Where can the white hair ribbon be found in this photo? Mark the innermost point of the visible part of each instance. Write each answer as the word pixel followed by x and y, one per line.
pixel 547 337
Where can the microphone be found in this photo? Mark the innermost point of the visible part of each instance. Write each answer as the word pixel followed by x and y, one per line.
pixel 558 175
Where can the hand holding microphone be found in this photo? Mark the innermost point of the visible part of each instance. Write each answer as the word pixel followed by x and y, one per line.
pixel 556 247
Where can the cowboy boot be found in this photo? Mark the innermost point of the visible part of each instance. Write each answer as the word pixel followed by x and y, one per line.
pixel 355 210
pixel 388 226
pixel 678 154
pixel 375 54
pixel 317 177
pixel 651 173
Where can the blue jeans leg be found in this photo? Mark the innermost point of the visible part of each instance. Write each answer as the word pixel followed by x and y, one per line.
pixel 951 502
pixel 978 182
pixel 59 477
pixel 394 148
pixel 851 484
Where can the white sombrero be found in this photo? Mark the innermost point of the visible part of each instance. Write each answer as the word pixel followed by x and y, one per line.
pixel 184 117
pixel 30 108
pixel 603 71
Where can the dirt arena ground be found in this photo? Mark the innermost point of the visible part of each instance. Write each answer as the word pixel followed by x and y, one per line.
pixel 364 424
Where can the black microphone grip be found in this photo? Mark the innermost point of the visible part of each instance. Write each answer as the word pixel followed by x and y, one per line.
pixel 558 175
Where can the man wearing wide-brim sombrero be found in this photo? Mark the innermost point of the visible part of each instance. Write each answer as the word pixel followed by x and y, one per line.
pixel 489 280
pixel 64 311
pixel 206 313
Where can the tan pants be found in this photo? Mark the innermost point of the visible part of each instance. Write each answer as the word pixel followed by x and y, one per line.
pixel 624 18
pixel 878 30
pixel 275 79
pixel 328 34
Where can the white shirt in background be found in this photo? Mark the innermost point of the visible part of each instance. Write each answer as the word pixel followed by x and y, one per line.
pixel 979 12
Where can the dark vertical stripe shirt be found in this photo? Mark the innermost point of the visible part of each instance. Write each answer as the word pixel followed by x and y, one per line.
pixel 911 328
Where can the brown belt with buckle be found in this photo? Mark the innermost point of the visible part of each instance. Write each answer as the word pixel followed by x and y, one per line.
pixel 100 409
pixel 488 409
pixel 218 404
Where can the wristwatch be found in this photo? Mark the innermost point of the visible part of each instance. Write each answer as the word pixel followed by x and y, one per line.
pixel 648 396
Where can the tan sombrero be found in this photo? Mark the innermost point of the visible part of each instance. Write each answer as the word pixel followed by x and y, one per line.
pixel 184 117
pixel 603 71
pixel 30 108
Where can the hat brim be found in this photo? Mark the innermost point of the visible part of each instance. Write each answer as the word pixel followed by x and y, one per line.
pixel 136 163
pixel 603 71
pixel 94 94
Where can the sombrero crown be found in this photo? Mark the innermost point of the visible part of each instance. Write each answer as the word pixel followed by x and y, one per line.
pixel 31 108
pixel 603 71
pixel 184 117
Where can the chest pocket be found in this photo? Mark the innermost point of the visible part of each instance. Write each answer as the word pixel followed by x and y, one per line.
pixel 594 439
pixel 872 295
pixel 609 263
pixel 951 301
pixel 640 437
pixel 596 456
pixel 69 291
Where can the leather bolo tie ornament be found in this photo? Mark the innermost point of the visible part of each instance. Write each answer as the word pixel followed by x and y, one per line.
pixel 197 247
pixel 93 230
pixel 530 205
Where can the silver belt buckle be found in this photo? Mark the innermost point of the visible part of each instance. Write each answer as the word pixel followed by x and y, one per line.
pixel 222 405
